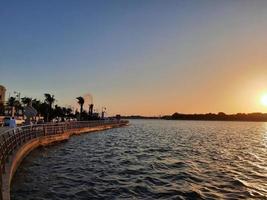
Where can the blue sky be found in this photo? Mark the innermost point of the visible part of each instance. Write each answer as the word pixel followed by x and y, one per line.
pixel 135 57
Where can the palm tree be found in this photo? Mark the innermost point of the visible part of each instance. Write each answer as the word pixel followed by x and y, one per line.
pixel 58 112
pixel 44 107
pixel 18 107
pixel 49 99
pixel 26 101
pixel 80 102
pixel 36 104
pixel 11 103
pixel 69 112
pixel 64 111
pixel 15 106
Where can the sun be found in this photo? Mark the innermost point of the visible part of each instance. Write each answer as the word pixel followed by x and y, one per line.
pixel 264 100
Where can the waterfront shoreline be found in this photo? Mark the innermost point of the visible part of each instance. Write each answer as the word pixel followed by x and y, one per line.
pixel 17 157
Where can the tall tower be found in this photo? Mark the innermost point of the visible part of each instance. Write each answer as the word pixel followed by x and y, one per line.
pixel 2 98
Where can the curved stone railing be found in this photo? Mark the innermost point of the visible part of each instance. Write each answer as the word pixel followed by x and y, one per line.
pixel 16 143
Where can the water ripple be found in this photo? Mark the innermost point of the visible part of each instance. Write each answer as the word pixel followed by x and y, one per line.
pixel 151 160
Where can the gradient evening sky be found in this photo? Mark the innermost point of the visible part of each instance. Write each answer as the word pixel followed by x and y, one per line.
pixel 146 57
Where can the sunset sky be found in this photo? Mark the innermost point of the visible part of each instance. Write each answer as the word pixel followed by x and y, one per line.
pixel 147 57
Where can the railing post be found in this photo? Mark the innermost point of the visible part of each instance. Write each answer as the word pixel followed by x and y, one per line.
pixel 44 130
pixel 36 131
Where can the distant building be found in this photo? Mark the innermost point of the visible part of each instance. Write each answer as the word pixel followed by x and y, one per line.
pixel 2 98
pixel 2 94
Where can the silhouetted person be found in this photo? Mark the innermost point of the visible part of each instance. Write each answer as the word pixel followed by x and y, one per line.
pixel 12 123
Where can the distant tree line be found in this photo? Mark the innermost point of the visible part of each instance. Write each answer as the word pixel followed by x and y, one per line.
pixel 218 117
pixel 138 117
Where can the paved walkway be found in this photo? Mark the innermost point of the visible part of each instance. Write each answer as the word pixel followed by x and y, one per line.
pixel 2 129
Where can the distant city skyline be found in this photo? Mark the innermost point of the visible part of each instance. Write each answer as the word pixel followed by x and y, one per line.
pixel 146 57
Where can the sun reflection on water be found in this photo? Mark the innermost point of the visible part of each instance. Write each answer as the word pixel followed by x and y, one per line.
pixel 265 134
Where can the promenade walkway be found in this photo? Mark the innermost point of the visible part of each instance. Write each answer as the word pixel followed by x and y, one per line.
pixel 3 129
